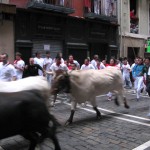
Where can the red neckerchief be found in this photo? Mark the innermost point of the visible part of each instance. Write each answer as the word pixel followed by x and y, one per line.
pixel 112 64
pixel 98 66
pixel 15 62
pixel 58 64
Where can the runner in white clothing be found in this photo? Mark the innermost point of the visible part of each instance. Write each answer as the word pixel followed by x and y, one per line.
pixel 94 61
pixel 19 65
pixel 7 71
pixel 47 64
pixel 87 65
pixel 40 61
pixel 58 67
pixel 126 73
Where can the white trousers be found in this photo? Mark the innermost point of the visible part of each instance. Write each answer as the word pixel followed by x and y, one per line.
pixel 126 79
pixel 138 85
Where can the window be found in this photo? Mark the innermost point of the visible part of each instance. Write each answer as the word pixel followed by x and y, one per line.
pixel 101 7
pixel 134 20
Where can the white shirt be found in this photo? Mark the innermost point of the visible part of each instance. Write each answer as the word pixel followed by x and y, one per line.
pixel 19 64
pixel 94 63
pixel 39 61
pixel 126 69
pixel 132 66
pixel 7 72
pixel 77 64
pixel 101 66
pixel 48 62
pixel 55 67
pixel 86 67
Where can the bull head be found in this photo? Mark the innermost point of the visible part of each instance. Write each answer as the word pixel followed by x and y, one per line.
pixel 60 83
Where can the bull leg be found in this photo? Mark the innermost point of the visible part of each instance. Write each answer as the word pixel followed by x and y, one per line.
pixel 93 103
pixel 33 138
pixel 116 101
pixel 69 121
pixel 116 98
pixel 122 95
pixel 97 112
pixel 54 100
pixel 125 103
pixel 73 107
pixel 56 143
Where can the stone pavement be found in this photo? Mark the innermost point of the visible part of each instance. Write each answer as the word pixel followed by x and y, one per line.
pixel 118 129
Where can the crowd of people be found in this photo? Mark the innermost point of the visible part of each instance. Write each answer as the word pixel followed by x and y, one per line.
pixel 137 75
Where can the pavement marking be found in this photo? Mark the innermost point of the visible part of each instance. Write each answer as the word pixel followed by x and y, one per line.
pixel 120 118
pixel 143 146
pixel 110 111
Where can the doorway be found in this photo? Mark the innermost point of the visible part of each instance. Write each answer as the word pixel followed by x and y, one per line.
pixel 78 55
pixel 100 49
pixel 26 53
pixel 132 54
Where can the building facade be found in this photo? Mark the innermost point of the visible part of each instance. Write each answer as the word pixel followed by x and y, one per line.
pixel 7 13
pixel 79 27
pixel 133 17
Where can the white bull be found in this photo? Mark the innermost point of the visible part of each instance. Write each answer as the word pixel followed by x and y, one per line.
pixel 85 85
pixel 29 83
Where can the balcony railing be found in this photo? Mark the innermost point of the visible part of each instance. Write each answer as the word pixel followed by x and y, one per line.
pixel 100 9
pixel 62 6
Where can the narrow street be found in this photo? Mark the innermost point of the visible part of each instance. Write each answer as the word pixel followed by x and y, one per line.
pixel 118 129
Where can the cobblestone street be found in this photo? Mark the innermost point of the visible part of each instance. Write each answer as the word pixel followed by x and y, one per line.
pixel 118 129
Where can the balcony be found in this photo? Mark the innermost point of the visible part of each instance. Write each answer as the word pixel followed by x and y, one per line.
pixel 60 6
pixel 101 10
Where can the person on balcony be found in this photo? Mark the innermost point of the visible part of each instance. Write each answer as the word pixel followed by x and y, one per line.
pixel 109 7
pixel 87 5
pixel 97 4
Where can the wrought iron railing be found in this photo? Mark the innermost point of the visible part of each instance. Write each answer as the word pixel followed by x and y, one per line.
pixel 64 3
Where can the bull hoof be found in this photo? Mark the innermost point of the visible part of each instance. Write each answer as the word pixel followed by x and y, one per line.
pixel 99 116
pixel 68 123
pixel 116 102
pixel 126 106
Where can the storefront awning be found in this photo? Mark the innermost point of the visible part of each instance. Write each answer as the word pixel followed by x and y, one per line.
pixel 7 8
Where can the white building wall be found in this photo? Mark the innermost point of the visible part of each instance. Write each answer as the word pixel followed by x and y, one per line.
pixel 143 17
pixel 128 39
pixel 7 39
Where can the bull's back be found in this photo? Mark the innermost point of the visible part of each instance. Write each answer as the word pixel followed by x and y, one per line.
pixel 95 82
pixel 29 83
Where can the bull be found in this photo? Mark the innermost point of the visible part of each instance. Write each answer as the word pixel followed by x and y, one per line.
pixel 25 113
pixel 30 83
pixel 85 85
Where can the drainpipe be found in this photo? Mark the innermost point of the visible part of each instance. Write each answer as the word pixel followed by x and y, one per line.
pixel 120 28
